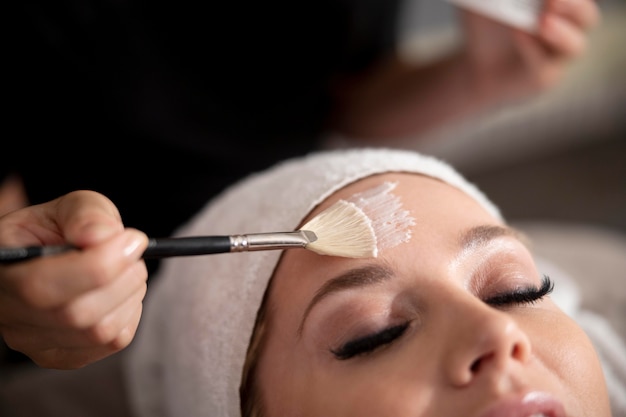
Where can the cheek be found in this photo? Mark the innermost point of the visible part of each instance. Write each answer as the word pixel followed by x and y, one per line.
pixel 379 393
pixel 278 376
pixel 566 351
pixel 296 385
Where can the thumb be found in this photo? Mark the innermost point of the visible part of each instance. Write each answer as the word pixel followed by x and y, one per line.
pixel 87 218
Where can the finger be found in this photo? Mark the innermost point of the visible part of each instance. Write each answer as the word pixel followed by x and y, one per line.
pixel 563 37
pixel 80 217
pixel 74 358
pixel 112 331
pixel 80 313
pixel 87 217
pixel 582 13
pixel 56 280
pixel 91 308
pixel 127 334
pixel 29 226
pixel 546 67
pixel 118 328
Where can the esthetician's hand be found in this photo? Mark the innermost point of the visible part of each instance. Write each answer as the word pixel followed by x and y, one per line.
pixel 506 61
pixel 66 311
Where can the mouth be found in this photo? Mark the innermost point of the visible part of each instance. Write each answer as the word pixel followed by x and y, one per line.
pixel 531 404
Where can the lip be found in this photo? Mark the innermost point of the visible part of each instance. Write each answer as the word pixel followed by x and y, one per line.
pixel 529 404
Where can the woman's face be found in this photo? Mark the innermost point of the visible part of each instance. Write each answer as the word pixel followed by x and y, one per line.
pixel 451 323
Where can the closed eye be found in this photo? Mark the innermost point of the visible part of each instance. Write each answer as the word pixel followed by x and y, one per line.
pixel 522 296
pixel 370 342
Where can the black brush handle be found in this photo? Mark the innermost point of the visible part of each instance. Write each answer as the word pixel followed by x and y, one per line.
pixel 186 246
pixel 12 255
pixel 157 248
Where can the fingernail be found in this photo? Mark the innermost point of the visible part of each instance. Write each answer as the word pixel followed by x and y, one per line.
pixel 135 244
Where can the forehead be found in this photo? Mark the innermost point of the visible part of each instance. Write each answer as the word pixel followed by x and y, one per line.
pixel 414 190
pixel 441 213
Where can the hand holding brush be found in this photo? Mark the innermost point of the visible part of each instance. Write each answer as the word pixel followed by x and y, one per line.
pixel 69 310
pixel 340 230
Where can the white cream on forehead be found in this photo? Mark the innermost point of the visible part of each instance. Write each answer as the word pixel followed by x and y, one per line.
pixel 391 223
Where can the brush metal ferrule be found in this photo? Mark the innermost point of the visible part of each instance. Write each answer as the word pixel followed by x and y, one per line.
pixel 266 241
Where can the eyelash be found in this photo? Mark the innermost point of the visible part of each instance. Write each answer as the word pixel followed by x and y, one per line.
pixel 372 342
pixel 521 296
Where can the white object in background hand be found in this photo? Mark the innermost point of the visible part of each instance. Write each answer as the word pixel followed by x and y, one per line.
pixel 522 14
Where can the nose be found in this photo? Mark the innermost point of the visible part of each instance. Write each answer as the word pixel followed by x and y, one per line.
pixel 484 340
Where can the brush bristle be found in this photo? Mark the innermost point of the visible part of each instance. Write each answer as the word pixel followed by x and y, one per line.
pixel 343 230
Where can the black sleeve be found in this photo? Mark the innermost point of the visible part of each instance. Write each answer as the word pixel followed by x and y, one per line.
pixel 161 105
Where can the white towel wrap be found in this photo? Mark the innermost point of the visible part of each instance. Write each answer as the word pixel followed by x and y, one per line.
pixel 189 351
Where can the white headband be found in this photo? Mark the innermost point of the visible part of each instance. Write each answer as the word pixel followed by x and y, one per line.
pixel 189 351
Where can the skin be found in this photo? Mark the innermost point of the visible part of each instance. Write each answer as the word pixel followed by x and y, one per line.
pixel 69 310
pixel 457 353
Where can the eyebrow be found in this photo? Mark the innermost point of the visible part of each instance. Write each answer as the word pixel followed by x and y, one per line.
pixel 353 278
pixel 373 274
pixel 481 235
